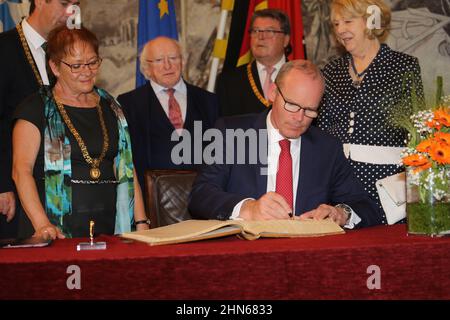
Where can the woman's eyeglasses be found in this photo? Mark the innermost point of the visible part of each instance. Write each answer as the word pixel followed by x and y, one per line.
pixel 78 67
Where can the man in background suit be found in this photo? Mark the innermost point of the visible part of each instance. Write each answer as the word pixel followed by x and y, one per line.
pixel 23 70
pixel 164 104
pixel 308 174
pixel 244 89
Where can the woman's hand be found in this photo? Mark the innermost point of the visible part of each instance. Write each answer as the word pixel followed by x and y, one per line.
pixel 8 205
pixel 49 231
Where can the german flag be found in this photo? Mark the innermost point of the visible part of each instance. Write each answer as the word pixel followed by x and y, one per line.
pixel 293 9
pixel 238 49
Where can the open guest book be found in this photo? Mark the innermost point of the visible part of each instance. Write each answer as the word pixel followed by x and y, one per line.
pixel 194 230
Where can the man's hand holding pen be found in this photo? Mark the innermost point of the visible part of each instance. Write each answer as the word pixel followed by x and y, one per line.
pixel 272 206
pixel 269 207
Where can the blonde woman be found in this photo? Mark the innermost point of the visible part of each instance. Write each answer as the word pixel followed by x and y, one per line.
pixel 362 89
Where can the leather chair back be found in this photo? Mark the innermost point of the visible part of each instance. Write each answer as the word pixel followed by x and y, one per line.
pixel 166 196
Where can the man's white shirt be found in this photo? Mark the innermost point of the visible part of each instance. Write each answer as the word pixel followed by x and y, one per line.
pixel 273 138
pixel 35 42
pixel 262 72
pixel 180 95
pixel 273 150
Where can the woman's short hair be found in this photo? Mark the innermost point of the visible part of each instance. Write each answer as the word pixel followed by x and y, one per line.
pixel 61 41
pixel 358 8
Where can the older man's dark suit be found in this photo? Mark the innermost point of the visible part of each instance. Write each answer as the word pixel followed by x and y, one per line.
pixel 17 81
pixel 151 130
pixel 235 93
pixel 325 177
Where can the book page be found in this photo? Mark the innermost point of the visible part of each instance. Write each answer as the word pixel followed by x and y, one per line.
pixel 193 230
pixel 289 228
pixel 189 230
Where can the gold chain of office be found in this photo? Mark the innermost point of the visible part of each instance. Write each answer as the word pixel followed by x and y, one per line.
pixel 254 87
pixel 24 43
pixel 94 163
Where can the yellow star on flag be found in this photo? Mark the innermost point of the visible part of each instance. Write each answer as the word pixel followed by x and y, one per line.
pixel 163 8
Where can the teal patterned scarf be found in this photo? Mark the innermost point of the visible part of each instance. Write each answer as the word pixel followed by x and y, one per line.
pixel 58 169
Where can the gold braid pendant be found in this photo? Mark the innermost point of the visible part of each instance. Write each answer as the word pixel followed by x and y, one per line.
pixel 25 47
pixel 254 87
pixel 94 163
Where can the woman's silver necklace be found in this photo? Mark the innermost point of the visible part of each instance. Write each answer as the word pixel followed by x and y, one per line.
pixel 359 76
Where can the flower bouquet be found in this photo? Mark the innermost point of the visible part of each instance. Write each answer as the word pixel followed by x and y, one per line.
pixel 427 161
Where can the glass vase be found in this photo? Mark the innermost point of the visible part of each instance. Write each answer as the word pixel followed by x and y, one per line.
pixel 428 202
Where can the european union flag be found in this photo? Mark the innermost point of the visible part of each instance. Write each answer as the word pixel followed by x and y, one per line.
pixel 156 18
pixel 6 20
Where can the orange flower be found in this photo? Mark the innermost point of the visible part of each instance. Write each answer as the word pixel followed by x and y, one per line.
pixel 442 137
pixel 425 145
pixel 442 116
pixel 423 167
pixel 433 124
pixel 440 152
pixel 415 160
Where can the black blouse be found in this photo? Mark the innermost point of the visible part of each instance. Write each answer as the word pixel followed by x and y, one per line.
pixel 89 201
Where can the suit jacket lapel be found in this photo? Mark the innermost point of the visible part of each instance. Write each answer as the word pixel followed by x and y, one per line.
pixel 33 82
pixel 158 108
pixel 305 173
pixel 261 168
pixel 150 100
pixel 190 103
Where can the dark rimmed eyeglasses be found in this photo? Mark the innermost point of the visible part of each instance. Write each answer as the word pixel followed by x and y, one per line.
pixel 78 67
pixel 294 108
pixel 267 33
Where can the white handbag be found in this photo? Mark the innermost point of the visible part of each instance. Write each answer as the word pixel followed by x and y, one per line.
pixel 392 193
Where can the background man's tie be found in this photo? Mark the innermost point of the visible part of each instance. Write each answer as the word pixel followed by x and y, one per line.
pixel 51 77
pixel 284 174
pixel 175 116
pixel 268 81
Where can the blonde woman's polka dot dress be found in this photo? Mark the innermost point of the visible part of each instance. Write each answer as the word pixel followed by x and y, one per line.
pixel 360 115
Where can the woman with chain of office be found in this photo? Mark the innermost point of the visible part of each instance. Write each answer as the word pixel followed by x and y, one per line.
pixel 72 160
pixel 364 88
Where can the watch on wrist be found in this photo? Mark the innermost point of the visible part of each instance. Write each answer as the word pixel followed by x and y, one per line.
pixel 147 221
pixel 347 210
